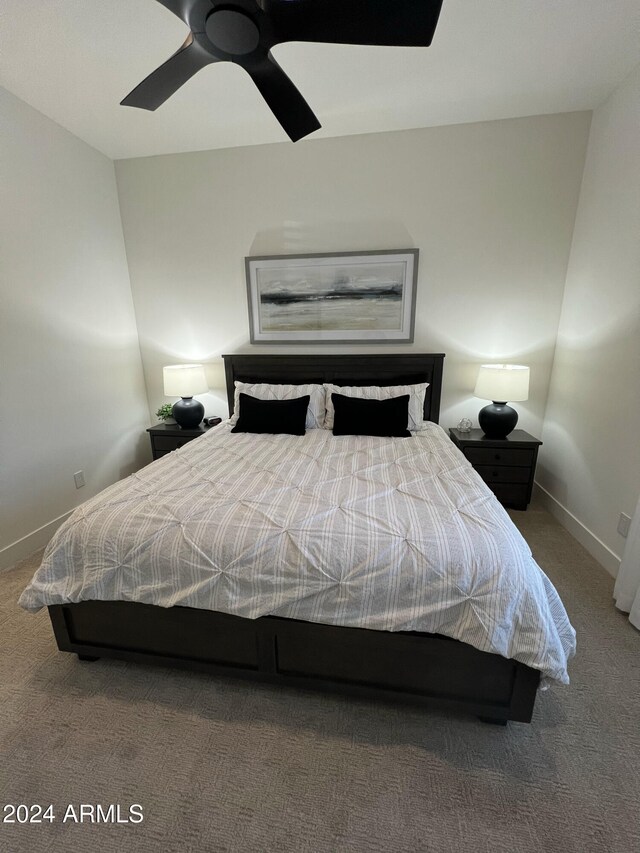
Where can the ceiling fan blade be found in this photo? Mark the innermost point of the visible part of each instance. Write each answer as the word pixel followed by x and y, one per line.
pixel 403 23
pixel 189 11
pixel 285 101
pixel 169 77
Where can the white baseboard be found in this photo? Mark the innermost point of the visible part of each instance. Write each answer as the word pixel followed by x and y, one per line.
pixel 596 547
pixel 26 546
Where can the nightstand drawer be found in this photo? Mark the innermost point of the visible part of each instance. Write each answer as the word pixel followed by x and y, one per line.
pixel 503 474
pixel 169 442
pixel 506 465
pixel 168 437
pixel 498 456
pixel 511 494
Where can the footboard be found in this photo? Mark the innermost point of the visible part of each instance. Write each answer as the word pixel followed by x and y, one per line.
pixel 425 668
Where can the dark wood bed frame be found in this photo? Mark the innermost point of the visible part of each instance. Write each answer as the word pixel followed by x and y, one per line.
pixel 422 668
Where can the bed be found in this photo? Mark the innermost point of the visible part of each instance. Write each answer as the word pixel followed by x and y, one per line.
pixel 381 657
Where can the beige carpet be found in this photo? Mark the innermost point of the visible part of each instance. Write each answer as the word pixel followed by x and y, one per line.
pixel 221 765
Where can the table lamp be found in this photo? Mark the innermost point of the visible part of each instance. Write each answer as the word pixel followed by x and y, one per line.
pixel 499 383
pixel 185 380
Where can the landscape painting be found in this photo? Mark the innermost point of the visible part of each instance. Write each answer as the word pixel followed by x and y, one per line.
pixel 354 297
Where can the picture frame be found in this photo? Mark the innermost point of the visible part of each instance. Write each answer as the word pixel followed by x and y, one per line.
pixel 364 297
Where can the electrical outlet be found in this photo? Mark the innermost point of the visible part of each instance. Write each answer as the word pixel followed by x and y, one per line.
pixel 623 525
pixel 79 479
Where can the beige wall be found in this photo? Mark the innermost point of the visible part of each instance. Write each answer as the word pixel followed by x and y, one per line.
pixel 491 206
pixel 71 381
pixel 590 462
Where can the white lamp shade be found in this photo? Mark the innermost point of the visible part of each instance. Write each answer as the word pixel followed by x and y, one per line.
pixel 184 380
pixel 503 383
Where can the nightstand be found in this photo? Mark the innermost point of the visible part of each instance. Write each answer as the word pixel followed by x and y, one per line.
pixel 168 437
pixel 507 465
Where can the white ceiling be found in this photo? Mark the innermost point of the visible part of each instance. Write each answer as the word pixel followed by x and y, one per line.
pixel 74 60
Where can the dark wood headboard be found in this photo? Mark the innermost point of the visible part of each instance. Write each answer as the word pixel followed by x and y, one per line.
pixel 378 369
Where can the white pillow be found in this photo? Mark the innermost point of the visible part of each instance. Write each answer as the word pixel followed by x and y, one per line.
pixel 266 391
pixel 381 392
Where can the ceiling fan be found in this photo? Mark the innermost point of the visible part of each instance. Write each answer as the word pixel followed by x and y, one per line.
pixel 244 31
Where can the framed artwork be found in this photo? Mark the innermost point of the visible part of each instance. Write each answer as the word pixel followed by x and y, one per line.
pixel 349 297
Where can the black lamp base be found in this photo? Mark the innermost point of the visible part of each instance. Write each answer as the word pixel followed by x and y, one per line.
pixel 188 412
pixel 497 420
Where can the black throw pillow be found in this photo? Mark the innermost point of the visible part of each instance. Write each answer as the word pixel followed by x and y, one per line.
pixel 272 416
pixel 354 416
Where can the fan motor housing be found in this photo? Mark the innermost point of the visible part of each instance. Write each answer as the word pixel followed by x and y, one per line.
pixel 232 31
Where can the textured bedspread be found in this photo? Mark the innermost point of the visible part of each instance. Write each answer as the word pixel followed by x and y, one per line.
pixel 386 533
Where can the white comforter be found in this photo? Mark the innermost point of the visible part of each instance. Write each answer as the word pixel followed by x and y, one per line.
pixel 395 534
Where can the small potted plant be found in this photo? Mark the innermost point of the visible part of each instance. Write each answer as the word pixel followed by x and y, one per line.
pixel 165 413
